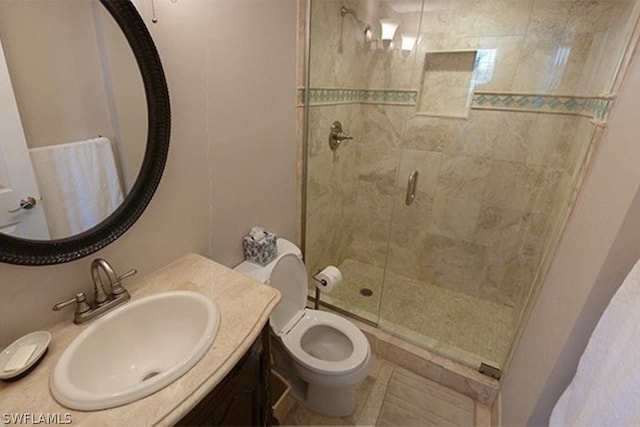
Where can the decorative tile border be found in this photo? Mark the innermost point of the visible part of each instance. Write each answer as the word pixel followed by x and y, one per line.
pixel 599 107
pixel 596 108
pixel 396 97
pixel 323 96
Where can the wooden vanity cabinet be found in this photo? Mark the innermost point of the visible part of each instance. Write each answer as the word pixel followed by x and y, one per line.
pixel 242 397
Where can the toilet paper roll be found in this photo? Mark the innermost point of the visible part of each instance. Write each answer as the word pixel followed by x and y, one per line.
pixel 328 278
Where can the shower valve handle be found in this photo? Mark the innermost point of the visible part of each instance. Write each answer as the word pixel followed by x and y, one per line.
pixel 336 135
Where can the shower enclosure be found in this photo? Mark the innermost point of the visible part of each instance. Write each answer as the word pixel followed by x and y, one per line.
pixel 471 127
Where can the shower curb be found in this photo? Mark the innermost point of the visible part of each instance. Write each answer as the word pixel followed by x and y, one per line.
pixel 434 367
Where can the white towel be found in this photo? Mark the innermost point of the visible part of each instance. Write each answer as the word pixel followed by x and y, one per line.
pixel 606 388
pixel 78 183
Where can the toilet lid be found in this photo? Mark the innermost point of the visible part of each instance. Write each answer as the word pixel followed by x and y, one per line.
pixel 289 276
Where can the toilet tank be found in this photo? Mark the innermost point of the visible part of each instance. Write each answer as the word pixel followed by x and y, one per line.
pixel 263 273
pixel 286 273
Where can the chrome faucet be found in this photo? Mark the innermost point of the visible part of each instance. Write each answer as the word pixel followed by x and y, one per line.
pixel 104 300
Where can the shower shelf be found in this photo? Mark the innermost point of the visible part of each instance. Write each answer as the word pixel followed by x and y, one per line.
pixel 446 86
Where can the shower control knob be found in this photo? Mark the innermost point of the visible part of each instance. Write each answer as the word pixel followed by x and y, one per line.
pixel 336 135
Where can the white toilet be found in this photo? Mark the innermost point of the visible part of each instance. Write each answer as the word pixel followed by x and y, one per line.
pixel 323 355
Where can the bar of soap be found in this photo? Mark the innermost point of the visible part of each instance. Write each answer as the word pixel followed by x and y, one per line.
pixel 20 358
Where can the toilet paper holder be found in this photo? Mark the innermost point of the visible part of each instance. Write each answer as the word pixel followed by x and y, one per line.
pixel 316 303
pixel 321 281
pixel 326 279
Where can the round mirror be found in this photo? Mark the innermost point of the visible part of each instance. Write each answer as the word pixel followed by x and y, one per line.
pixel 84 126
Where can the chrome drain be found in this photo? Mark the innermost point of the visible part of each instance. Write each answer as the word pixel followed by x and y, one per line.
pixel 366 292
pixel 150 375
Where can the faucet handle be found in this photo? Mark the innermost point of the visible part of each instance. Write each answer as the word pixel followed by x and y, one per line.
pixel 128 274
pixel 82 306
pixel 117 288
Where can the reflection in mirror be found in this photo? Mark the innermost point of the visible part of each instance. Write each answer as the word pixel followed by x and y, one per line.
pixel 74 118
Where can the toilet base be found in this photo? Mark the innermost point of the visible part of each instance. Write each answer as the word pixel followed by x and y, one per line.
pixel 331 401
pixel 326 400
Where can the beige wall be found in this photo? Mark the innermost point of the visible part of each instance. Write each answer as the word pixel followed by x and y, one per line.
pixel 252 98
pixel 55 71
pixel 75 78
pixel 597 250
pixel 205 70
pixel 126 98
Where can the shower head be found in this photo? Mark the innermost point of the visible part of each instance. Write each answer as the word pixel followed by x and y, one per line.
pixel 346 11
pixel 365 27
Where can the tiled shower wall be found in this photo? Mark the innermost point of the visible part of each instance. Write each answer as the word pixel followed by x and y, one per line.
pixel 332 180
pixel 492 186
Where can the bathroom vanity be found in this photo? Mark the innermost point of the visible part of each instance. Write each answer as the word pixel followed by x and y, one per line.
pixel 228 386
pixel 242 397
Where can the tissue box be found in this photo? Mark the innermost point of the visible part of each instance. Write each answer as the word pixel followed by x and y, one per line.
pixel 261 252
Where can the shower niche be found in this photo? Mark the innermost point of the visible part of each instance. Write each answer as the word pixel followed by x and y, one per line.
pixel 446 86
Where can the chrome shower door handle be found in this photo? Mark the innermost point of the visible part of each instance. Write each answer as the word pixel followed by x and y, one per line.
pixel 412 186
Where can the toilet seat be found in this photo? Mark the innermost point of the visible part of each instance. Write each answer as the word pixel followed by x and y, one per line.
pixel 292 341
pixel 291 320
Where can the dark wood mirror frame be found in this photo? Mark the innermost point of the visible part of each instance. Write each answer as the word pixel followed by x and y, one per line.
pixel 34 252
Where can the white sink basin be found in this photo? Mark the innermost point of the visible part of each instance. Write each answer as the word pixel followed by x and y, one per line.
pixel 135 350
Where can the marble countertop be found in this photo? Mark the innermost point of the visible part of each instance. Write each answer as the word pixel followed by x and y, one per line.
pixel 244 306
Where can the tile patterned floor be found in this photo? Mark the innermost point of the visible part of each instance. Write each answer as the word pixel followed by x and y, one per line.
pixel 358 275
pixel 393 396
pixel 459 326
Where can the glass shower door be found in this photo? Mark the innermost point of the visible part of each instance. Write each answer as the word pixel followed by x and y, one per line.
pixel 494 108
pixel 498 134
pixel 361 81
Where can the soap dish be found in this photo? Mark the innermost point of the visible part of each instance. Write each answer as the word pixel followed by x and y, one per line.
pixel 39 339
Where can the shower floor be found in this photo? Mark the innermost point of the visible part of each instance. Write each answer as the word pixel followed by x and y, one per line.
pixel 459 326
